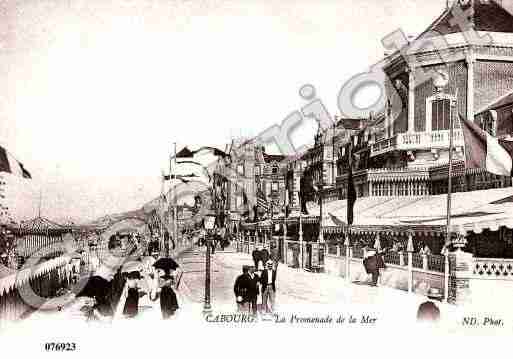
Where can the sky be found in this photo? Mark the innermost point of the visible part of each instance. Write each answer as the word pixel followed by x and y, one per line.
pixel 93 93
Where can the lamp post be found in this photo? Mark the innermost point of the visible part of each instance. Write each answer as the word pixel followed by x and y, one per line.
pixel 320 187
pixel 210 219
pixel 209 224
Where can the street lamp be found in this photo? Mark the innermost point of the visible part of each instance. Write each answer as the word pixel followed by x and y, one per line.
pixel 318 188
pixel 209 224
pixel 212 217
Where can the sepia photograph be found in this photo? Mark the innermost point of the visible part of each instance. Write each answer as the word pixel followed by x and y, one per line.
pixel 242 177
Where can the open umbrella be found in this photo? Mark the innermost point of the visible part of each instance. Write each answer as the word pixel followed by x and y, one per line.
pixel 166 264
pixel 96 287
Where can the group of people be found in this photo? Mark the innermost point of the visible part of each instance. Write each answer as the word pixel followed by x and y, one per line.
pixel 112 293
pixel 255 289
pixel 220 238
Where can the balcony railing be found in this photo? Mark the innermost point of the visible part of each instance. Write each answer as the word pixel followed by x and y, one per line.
pixel 417 140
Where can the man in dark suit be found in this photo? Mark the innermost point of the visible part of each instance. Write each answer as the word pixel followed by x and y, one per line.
pixel 264 255
pixel 241 289
pixel 256 254
pixel 253 290
pixel 268 281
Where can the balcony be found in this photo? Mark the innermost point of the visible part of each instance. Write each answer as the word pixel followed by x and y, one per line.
pixel 417 141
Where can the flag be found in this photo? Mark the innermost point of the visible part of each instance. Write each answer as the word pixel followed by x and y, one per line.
pixel 287 203
pixel 261 200
pixel 304 186
pixel 9 164
pixel 351 190
pixel 485 151
pixel 245 204
pixel 185 153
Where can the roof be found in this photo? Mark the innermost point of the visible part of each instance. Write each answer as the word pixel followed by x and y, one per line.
pixel 498 103
pixel 40 224
pixel 471 212
pixel 273 158
pixel 488 16
pixel 352 123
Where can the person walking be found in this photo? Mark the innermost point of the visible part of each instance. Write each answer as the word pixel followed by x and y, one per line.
pixel 168 238
pixel 256 255
pixel 241 288
pixel 131 308
pixel 253 291
pixel 264 255
pixel 268 281
pixel 168 299
pixel 373 263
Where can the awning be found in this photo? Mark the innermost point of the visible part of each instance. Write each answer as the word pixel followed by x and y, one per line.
pixel 471 212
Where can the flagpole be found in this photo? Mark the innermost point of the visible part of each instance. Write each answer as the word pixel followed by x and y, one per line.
pixel 163 206
pixel 449 180
pixel 175 226
pixel 300 241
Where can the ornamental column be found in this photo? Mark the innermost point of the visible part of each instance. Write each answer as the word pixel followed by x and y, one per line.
pixel 460 269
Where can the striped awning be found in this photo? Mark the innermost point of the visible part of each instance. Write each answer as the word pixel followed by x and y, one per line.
pixel 471 212
pixel 19 278
pixel 40 225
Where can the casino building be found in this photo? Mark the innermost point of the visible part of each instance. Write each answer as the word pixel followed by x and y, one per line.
pixel 400 167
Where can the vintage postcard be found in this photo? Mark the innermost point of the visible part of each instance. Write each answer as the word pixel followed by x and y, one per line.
pixel 256 177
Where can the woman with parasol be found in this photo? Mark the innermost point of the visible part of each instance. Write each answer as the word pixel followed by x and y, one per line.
pixel 99 291
pixel 168 299
pixel 132 294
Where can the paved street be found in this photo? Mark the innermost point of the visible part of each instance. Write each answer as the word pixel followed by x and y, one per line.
pixel 296 290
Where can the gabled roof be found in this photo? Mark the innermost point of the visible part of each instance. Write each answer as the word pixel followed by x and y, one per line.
pixel 488 16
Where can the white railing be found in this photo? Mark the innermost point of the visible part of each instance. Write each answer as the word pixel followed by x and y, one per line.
pixel 417 140
pixel 493 268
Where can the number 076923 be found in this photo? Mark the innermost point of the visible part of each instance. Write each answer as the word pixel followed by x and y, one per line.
pixel 60 347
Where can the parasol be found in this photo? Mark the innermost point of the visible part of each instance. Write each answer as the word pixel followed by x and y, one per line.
pixel 166 264
pixel 95 287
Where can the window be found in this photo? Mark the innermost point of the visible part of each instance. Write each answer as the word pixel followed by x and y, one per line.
pixel 274 186
pixel 275 170
pixel 257 170
pixel 440 112
pixel 240 169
